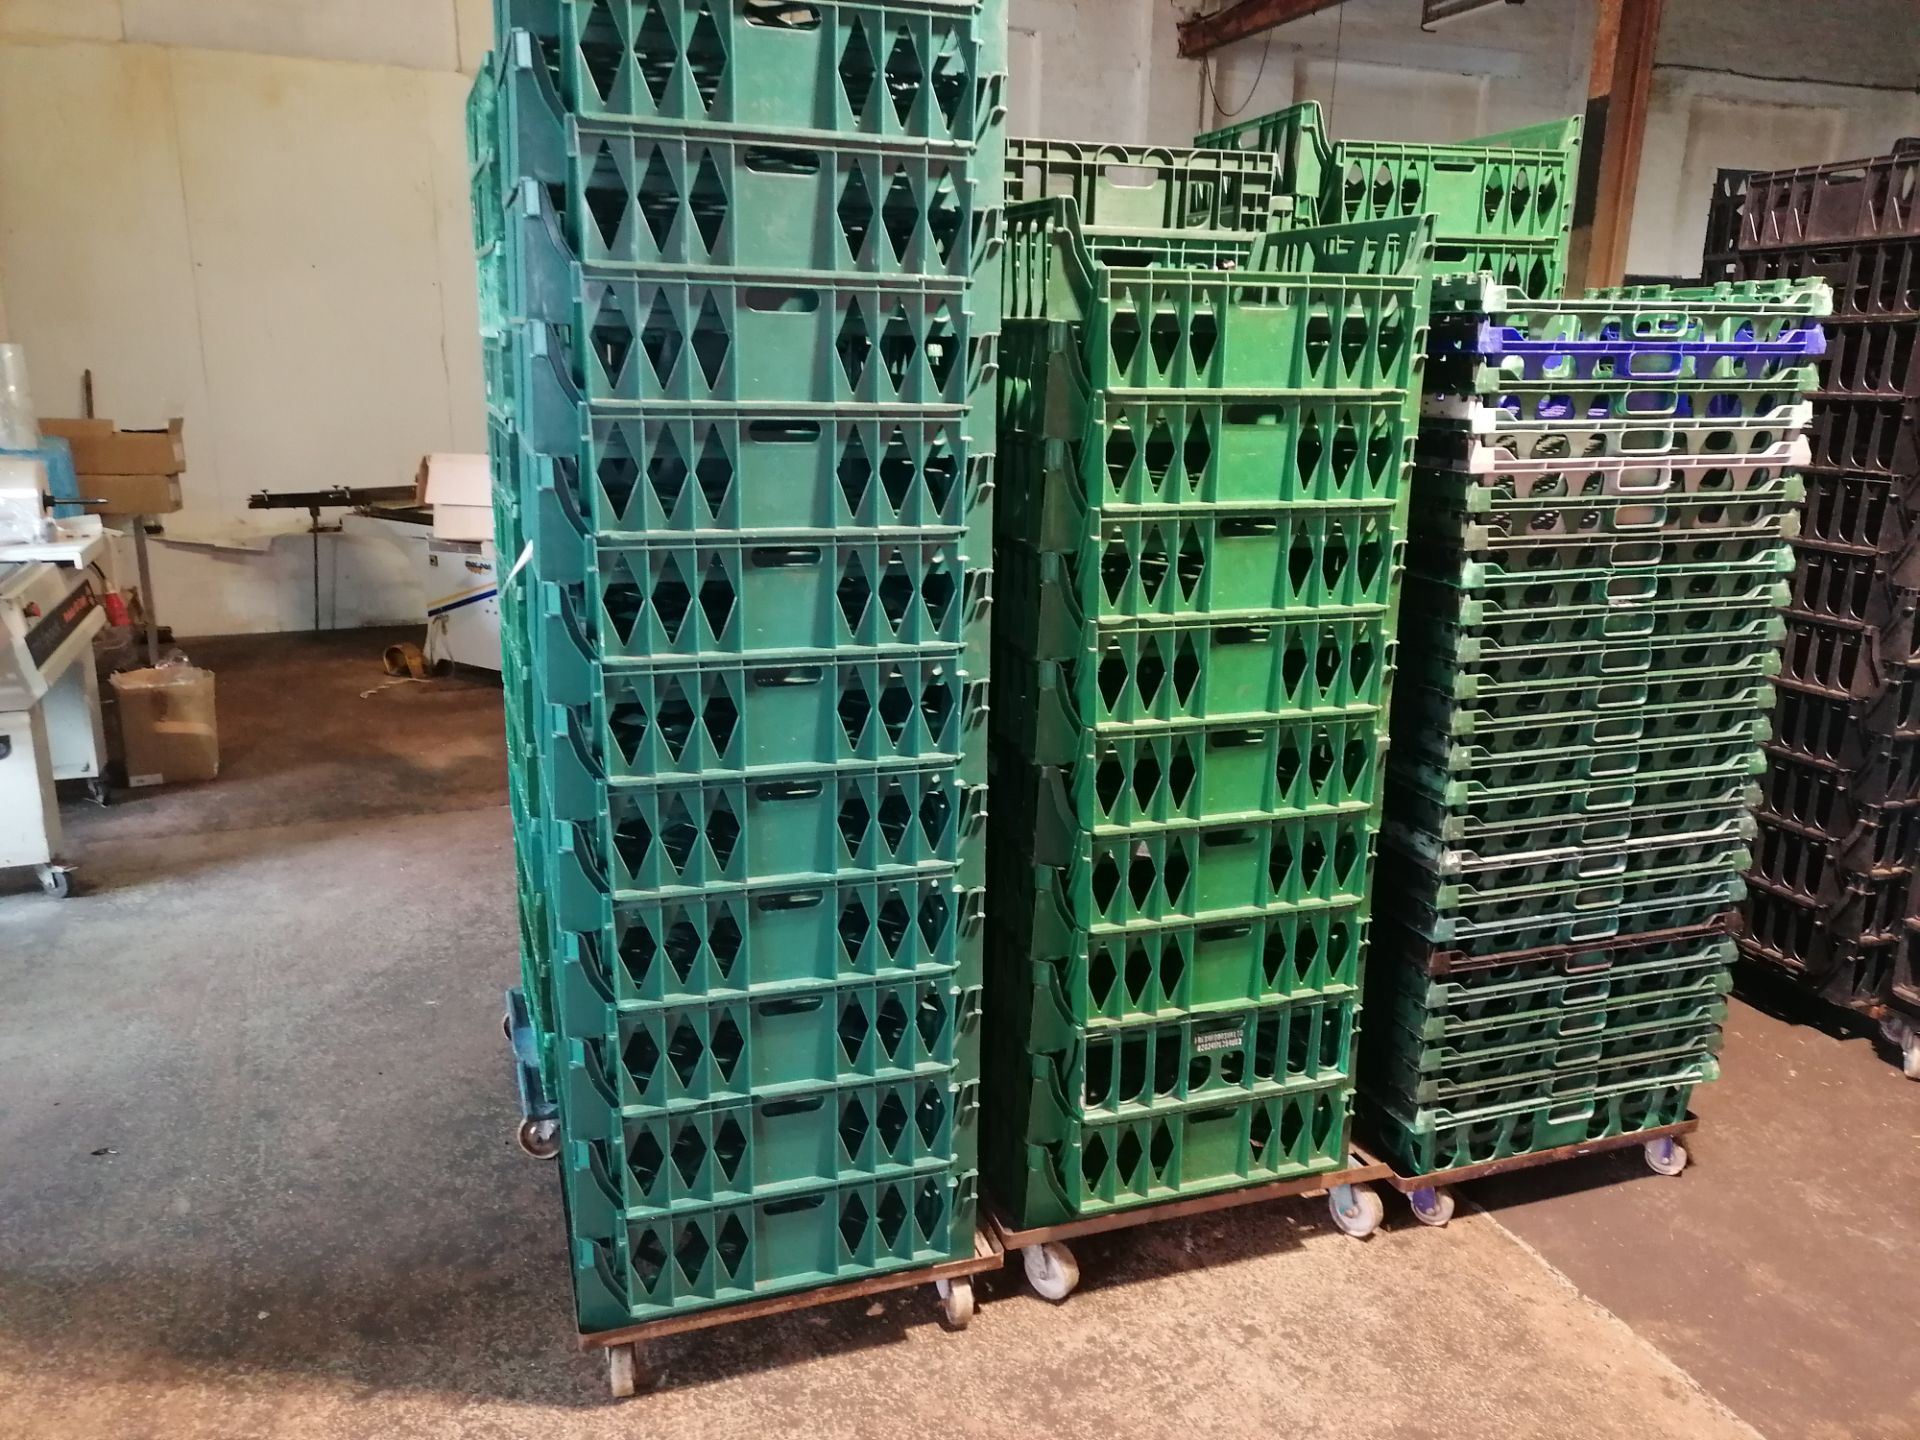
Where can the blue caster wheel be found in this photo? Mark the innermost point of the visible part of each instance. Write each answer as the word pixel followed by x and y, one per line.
pixel 1431 1206
pixel 1666 1156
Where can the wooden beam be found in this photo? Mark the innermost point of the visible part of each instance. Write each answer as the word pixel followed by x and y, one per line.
pixel 1618 88
pixel 1205 34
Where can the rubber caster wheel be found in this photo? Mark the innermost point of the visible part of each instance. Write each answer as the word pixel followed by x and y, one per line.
pixel 623 1371
pixel 956 1302
pixel 99 793
pixel 506 1027
pixel 539 1138
pixel 1905 1036
pixel 1357 1209
pixel 1051 1270
pixel 1431 1207
pixel 1666 1156
pixel 56 882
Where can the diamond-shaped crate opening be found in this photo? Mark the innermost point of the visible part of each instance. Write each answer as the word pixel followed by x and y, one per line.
pixel 810 204
pixel 868 69
pixel 1185 967
pixel 1306 1042
pixel 746 942
pixel 746 716
pixel 815 823
pixel 690 472
pixel 1321 448
pixel 658 340
pixel 1228 771
pixel 1225 870
pixel 1145 673
pixel 1136 1161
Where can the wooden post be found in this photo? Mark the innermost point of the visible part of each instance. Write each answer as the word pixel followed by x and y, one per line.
pixel 1204 34
pixel 1618 88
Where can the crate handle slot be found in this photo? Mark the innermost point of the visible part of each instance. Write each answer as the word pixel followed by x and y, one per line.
pixel 789 790
pixel 1234 739
pixel 784 432
pixel 792 900
pixel 783 675
pixel 792 1004
pixel 770 557
pixel 798 1105
pixel 1225 932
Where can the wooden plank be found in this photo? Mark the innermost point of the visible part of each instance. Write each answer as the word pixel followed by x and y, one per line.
pixel 1460 1175
pixel 1204 34
pixel 1110 1220
pixel 988 1254
pixel 1619 85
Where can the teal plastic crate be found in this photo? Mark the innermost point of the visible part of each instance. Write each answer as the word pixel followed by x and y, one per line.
pixel 671 1266
pixel 1518 182
pixel 765 942
pixel 677 1162
pixel 1425 1146
pixel 906 71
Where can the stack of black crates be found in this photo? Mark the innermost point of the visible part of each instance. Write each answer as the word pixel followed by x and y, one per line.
pixel 1833 898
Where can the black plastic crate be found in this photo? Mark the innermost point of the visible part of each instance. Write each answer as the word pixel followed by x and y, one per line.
pixel 1846 734
pixel 1861 512
pixel 1871 199
pixel 1858 974
pixel 1889 775
pixel 1799 938
pixel 1845 660
pixel 1868 358
pixel 1797 861
pixel 1881 437
pixel 1859 839
pixel 1855 587
pixel 1787 919
pixel 1876 280
pixel 1438 960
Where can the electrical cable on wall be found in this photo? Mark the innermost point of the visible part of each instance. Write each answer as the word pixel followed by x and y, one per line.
pixel 1206 74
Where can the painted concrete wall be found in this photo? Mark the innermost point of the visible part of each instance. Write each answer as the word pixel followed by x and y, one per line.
pixel 253 213
pixel 274 248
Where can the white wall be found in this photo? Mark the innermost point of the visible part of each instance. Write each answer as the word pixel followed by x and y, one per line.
pixel 275 247
pixel 253 213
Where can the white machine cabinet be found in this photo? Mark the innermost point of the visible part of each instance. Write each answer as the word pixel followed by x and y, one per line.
pixel 50 726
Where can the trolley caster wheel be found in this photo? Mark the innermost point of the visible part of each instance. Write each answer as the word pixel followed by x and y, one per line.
pixel 1431 1206
pixel 56 882
pixel 956 1301
pixel 1666 1156
pixel 1051 1270
pixel 506 1026
pixel 1905 1036
pixel 539 1138
pixel 624 1371
pixel 1357 1209
pixel 99 792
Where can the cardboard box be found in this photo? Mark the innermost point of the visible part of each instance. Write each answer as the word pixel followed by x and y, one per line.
pixel 167 725
pixel 459 488
pixel 130 472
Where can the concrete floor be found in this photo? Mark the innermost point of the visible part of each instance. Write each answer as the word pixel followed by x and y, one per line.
pixel 258 1181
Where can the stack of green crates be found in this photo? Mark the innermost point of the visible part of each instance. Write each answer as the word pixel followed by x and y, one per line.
pixel 1502 204
pixel 1205 428
pixel 739 285
pixel 1602 499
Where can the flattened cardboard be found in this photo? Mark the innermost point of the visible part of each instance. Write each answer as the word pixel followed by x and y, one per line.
pixel 101 449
